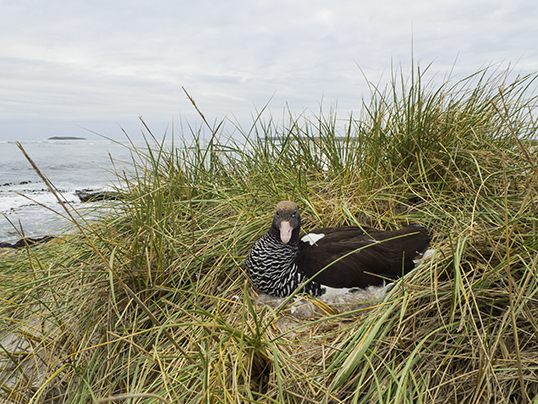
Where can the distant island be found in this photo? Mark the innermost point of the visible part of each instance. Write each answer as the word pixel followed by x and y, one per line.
pixel 66 138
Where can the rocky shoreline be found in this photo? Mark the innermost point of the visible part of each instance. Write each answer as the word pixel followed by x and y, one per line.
pixel 27 242
pixel 85 195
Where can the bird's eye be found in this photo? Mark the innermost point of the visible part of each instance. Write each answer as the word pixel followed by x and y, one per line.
pixel 277 214
pixel 294 213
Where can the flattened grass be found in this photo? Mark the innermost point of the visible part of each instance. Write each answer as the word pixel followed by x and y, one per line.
pixel 152 304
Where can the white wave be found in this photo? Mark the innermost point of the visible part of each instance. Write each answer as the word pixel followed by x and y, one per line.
pixel 13 200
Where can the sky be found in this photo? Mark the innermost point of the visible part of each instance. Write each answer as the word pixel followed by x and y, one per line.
pixel 80 67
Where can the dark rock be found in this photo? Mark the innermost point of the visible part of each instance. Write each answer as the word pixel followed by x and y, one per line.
pixel 66 138
pixel 88 196
pixel 27 241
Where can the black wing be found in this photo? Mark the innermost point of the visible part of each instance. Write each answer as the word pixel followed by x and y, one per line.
pixel 371 255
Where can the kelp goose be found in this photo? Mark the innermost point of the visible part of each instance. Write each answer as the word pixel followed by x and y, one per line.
pixel 352 258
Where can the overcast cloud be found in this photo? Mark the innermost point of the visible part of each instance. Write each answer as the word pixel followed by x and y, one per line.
pixel 100 64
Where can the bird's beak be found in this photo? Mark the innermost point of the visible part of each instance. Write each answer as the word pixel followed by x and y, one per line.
pixel 285 231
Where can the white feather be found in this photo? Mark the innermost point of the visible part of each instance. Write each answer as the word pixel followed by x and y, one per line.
pixel 312 238
pixel 427 254
pixel 354 295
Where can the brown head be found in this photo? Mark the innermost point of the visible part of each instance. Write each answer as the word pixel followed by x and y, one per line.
pixel 286 220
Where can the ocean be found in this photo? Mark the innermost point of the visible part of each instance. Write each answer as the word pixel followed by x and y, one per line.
pixel 27 206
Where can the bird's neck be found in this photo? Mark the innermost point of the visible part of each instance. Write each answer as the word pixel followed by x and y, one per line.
pixel 274 234
pixel 290 247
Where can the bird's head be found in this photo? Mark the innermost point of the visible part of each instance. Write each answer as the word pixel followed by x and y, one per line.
pixel 286 220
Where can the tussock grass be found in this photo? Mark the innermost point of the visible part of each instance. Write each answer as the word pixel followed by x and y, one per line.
pixel 151 303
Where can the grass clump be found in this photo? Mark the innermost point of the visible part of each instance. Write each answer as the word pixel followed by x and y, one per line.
pixel 151 303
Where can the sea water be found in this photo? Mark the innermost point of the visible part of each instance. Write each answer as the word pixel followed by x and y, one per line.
pixel 28 207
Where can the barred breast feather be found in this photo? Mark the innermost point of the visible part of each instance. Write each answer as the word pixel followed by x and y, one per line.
pixel 270 266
